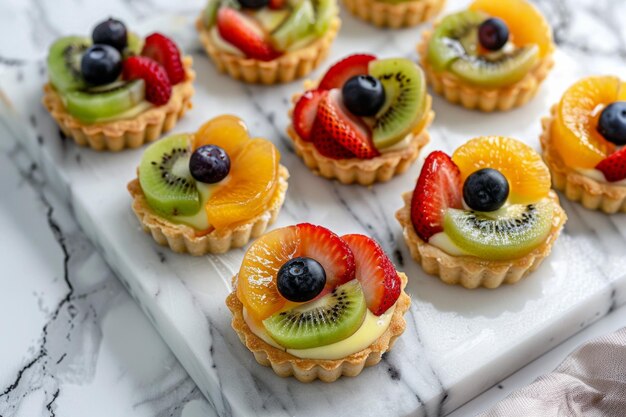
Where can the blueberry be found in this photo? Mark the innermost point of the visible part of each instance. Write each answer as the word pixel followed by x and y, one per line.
pixel 486 190
pixel 209 164
pixel 301 279
pixel 493 34
pixel 363 95
pixel 254 4
pixel 111 32
pixel 101 64
pixel 612 123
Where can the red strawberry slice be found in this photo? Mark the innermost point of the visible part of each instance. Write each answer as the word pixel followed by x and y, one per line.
pixel 305 111
pixel 158 86
pixel 326 145
pixel 277 4
pixel 438 188
pixel 376 273
pixel 243 33
pixel 347 130
pixel 345 69
pixel 164 51
pixel 614 166
pixel 328 249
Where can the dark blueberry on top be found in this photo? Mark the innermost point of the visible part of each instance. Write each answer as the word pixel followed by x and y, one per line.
pixel 111 32
pixel 493 34
pixel 363 95
pixel 254 4
pixel 612 123
pixel 101 64
pixel 485 190
pixel 209 164
pixel 301 279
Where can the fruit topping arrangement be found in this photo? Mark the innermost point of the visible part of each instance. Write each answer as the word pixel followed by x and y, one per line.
pixel 308 287
pixel 490 199
pixel 216 178
pixel 361 106
pixel 589 129
pixel 266 29
pixel 492 44
pixel 114 74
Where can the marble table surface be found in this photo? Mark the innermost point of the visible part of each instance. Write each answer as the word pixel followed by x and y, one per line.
pixel 78 343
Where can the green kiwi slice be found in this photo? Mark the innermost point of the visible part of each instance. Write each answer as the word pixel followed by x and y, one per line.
pixel 296 26
pixel 327 320
pixel 270 19
pixel 405 98
pixel 165 178
pixel 63 61
pixel 135 45
pixel 325 12
pixel 103 103
pixel 508 233
pixel 454 46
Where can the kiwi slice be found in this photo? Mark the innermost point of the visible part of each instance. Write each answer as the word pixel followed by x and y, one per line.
pixel 209 14
pixel 325 12
pixel 102 103
pixel 135 45
pixel 327 320
pixel 165 178
pixel 270 19
pixel 297 26
pixel 64 63
pixel 405 98
pixel 508 233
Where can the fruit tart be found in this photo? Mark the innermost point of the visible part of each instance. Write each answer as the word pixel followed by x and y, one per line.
pixel 395 13
pixel 313 305
pixel 364 121
pixel 492 56
pixel 210 191
pixel 116 90
pixel 268 41
pixel 484 216
pixel 584 140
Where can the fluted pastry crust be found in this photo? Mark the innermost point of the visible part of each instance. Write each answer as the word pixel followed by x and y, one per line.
pixel 128 133
pixel 471 271
pixel 395 15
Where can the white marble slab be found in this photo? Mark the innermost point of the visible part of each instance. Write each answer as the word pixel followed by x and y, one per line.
pixel 457 343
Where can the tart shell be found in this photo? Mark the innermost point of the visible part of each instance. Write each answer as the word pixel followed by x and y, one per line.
pixel 486 99
pixel 183 239
pixel 284 69
pixel 363 171
pixel 405 14
pixel 130 133
pixel 592 194
pixel 471 271
pixel 307 370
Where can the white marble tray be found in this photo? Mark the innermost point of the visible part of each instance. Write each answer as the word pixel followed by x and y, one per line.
pixel 457 342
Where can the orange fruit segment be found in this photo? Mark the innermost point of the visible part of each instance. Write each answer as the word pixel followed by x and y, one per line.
pixel 525 22
pixel 574 132
pixel 228 132
pixel 249 187
pixel 256 283
pixel 528 176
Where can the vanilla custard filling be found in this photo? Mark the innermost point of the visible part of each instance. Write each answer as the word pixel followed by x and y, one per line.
pixel 371 329
pixel 597 175
pixel 398 146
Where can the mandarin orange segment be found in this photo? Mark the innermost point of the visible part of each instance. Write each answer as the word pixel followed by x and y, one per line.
pixel 249 187
pixel 228 132
pixel 575 133
pixel 528 176
pixel 526 23
pixel 256 281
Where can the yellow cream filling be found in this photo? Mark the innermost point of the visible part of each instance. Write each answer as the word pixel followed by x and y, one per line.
pixel 597 175
pixel 371 329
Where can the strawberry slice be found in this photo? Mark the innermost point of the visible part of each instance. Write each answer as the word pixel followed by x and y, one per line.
pixel 614 166
pixel 438 188
pixel 158 86
pixel 326 145
pixel 164 51
pixel 329 250
pixel 376 273
pixel 345 69
pixel 243 33
pixel 305 111
pixel 277 4
pixel 347 130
